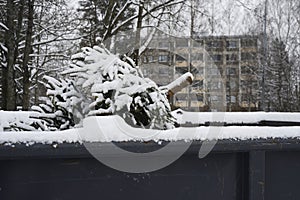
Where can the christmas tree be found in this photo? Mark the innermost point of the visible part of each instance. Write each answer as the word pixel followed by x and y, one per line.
pixel 116 86
pixel 62 108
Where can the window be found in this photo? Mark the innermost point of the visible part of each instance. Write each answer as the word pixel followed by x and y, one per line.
pixel 249 42
pixel 217 57
pixel 150 59
pixel 181 70
pixel 197 97
pixel 214 44
pixel 180 58
pixel 197 85
pixel 145 59
pixel 231 57
pixel 194 70
pixel 197 43
pixel 231 71
pixel 231 99
pixel 163 58
pixel 232 44
pixel 232 85
pixel 200 97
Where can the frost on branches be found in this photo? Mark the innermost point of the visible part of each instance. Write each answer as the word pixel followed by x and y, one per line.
pixel 62 108
pixel 116 86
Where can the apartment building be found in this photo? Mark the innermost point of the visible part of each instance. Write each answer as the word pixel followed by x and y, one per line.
pixel 225 68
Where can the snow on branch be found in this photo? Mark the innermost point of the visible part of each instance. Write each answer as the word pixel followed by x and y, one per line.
pixel 180 83
pixel 3 26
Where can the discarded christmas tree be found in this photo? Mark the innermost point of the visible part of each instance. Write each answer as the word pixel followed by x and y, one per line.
pixel 116 86
pixel 62 107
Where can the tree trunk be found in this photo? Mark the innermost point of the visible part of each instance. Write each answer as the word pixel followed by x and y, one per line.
pixel 138 33
pixel 26 58
pixel 9 86
pixel 19 28
pixel 3 77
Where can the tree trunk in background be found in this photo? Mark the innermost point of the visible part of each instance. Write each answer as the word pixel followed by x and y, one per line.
pixel 26 58
pixel 9 86
pixel 18 29
pixel 4 83
pixel 138 33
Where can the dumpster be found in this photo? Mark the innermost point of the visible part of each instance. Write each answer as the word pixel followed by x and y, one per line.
pixel 249 169
pixel 252 159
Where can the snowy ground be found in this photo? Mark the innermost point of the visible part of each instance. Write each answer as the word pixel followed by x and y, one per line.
pixel 113 128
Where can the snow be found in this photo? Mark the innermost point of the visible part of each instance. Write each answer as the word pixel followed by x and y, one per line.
pixel 179 83
pixel 114 128
pixel 3 26
pixel 3 47
pixel 47 137
pixel 72 3
pixel 234 117
pixel 9 117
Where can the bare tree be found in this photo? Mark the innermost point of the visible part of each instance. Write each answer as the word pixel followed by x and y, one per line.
pixel 29 37
pixel 8 72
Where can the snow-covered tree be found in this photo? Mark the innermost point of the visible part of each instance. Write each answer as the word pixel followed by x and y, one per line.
pixel 63 107
pixel 116 86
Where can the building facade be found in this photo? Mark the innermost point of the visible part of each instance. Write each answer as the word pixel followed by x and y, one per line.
pixel 225 69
